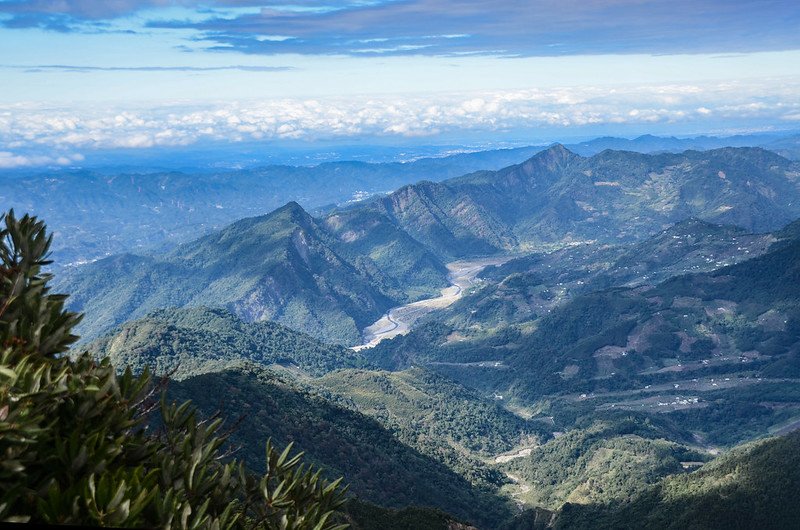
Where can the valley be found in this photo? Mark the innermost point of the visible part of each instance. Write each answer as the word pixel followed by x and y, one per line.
pixel 399 320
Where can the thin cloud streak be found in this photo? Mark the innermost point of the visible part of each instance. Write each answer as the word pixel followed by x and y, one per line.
pixel 9 160
pixel 89 69
pixel 516 27
pixel 523 28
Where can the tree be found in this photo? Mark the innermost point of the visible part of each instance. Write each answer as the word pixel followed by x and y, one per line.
pixel 80 444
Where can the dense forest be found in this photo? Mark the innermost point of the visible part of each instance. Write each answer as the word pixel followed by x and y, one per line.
pixel 195 340
pixel 751 487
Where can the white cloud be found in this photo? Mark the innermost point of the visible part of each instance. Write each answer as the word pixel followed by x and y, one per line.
pixel 36 128
pixel 9 160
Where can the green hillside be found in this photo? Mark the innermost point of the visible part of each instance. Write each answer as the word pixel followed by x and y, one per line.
pixel 438 417
pixel 196 340
pixel 753 486
pixel 444 432
pixel 609 460
pixel 378 467
pixel 428 405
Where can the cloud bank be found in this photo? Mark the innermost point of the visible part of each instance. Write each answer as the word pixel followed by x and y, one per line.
pixel 9 160
pixel 61 134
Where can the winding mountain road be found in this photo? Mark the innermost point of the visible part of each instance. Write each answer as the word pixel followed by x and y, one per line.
pixel 400 319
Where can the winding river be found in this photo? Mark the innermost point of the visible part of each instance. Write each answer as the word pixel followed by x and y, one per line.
pixel 400 319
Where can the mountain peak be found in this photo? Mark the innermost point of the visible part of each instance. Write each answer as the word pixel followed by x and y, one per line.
pixel 558 148
pixel 555 155
pixel 291 206
pixel 293 211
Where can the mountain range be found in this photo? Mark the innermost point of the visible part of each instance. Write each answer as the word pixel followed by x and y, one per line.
pixel 98 213
pixel 783 144
pixel 332 276
pixel 103 211
pixel 558 196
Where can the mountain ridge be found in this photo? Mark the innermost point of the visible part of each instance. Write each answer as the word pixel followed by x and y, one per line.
pixel 314 274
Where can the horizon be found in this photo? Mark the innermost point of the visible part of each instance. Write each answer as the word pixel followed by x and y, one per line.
pixel 88 79
pixel 210 157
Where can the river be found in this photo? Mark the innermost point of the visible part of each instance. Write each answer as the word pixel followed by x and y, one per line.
pixel 400 319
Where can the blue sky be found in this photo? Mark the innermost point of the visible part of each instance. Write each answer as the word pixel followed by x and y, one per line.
pixel 84 75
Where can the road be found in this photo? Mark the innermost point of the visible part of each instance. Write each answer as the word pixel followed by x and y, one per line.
pixel 786 429
pixel 400 319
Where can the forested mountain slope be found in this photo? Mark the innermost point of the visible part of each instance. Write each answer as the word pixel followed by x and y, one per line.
pixel 614 196
pixel 191 341
pixel 333 276
pixel 728 311
pixel 529 287
pixel 753 486
pixel 378 466
pixel 284 267
pixel 715 353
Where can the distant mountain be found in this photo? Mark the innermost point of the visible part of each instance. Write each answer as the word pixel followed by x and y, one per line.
pixel 660 144
pixel 192 341
pixel 98 213
pixel 94 214
pixel 788 146
pixel 614 196
pixel 446 219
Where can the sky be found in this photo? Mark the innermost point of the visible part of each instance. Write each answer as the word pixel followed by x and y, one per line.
pixel 83 76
